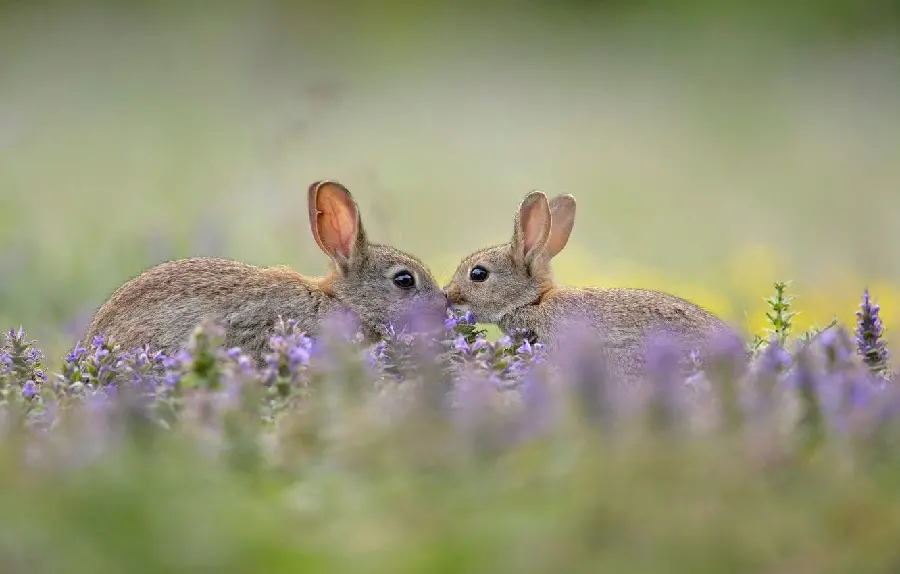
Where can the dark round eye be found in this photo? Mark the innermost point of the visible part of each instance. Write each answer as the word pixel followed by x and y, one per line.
pixel 404 280
pixel 478 274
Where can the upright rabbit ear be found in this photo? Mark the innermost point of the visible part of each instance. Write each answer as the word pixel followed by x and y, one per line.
pixel 532 228
pixel 562 220
pixel 335 222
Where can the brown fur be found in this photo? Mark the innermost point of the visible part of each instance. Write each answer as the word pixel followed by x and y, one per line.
pixel 520 293
pixel 163 305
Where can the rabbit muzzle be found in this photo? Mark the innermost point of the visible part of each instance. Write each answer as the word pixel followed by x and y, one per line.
pixel 454 295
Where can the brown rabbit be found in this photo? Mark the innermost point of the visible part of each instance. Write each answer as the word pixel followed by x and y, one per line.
pixel 512 286
pixel 378 283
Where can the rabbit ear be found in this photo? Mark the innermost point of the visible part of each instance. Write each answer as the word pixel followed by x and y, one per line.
pixel 562 211
pixel 335 222
pixel 532 227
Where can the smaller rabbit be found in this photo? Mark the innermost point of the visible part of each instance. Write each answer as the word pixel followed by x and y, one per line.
pixel 512 286
pixel 379 284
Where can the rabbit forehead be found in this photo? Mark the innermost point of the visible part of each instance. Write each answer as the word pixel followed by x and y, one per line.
pixel 495 258
pixel 388 260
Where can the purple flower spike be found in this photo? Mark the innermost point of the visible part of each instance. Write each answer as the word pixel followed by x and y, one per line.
pixel 774 359
pixel 869 335
pixel 665 374
pixel 537 415
pixel 583 359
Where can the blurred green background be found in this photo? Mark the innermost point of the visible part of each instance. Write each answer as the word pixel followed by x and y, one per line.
pixel 714 147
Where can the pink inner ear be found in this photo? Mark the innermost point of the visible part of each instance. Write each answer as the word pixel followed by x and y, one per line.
pixel 337 224
pixel 562 216
pixel 534 222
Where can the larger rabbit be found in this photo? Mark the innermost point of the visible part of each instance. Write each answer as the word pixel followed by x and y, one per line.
pixel 378 283
pixel 511 285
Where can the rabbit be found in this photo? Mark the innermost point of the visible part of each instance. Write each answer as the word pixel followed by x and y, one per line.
pixel 511 285
pixel 162 306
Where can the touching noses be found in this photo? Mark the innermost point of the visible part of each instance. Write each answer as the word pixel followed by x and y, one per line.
pixel 452 294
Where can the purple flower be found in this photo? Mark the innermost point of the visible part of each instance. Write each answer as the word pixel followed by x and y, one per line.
pixel 773 360
pixel 6 362
pixel 479 344
pixel 583 360
pixel 859 392
pixel 808 387
pixel 472 393
pixel 20 357
pixel 869 335
pixel 460 344
pixel 536 415
pixel 29 389
pixel 77 354
pixel 664 372
pixel 291 353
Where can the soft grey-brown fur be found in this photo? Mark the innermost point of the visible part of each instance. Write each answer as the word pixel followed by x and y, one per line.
pixel 163 305
pixel 520 293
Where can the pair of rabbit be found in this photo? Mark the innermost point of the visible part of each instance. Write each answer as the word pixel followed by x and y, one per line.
pixel 510 285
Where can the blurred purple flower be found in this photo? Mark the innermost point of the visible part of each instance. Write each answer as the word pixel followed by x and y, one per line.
pixel 773 360
pixel 808 385
pixel 472 393
pixel 836 347
pixel 665 375
pixel 423 318
pixel 582 360
pixel 537 413
pixel 341 325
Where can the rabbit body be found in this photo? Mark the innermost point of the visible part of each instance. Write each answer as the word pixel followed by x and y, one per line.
pixel 622 318
pixel 512 286
pixel 162 306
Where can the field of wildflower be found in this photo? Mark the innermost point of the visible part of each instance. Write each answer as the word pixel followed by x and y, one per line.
pixel 441 450
pixel 715 149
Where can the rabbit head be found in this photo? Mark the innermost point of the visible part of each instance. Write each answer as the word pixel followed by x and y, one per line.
pixel 380 284
pixel 493 282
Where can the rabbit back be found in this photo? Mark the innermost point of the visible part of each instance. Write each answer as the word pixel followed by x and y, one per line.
pixel 163 305
pixel 623 319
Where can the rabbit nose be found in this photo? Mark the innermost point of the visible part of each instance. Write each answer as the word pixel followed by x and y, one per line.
pixel 451 292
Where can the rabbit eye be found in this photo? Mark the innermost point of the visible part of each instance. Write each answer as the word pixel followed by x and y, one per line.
pixel 404 280
pixel 478 274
